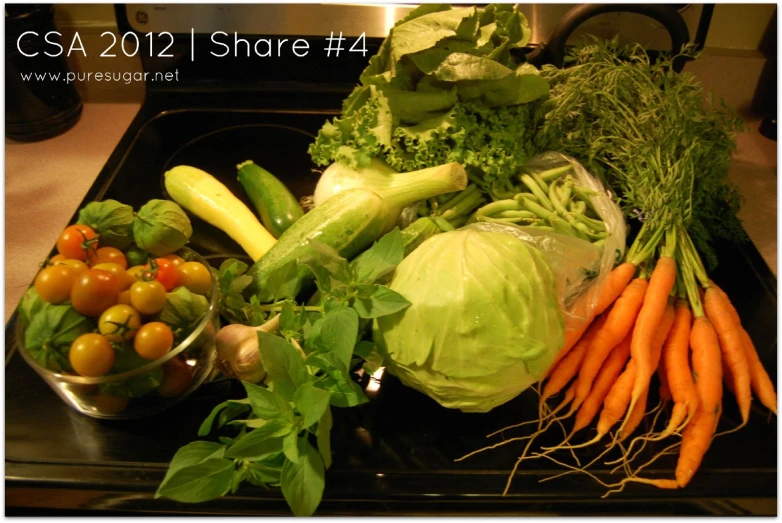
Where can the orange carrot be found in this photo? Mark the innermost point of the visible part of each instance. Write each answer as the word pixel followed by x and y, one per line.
pixel 639 409
pixel 760 381
pixel 732 345
pixel 649 318
pixel 615 283
pixel 568 367
pixel 707 372
pixel 605 379
pixel 660 335
pixel 617 400
pixel 676 355
pixel 619 322
pixel 635 417
pixel 665 388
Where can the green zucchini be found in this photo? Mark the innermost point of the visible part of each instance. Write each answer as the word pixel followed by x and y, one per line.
pixel 276 206
pixel 348 222
pixel 418 232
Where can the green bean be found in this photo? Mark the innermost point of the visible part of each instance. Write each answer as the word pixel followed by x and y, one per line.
pixel 538 209
pixel 515 214
pixel 585 231
pixel 578 207
pixel 546 228
pixel 537 191
pixel 555 172
pixel 490 219
pixel 560 209
pixel 563 227
pixel 499 206
pixel 525 196
pixel 565 192
pixel 540 181
pixel 595 225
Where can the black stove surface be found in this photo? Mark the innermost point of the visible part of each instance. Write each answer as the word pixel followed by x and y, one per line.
pixel 396 454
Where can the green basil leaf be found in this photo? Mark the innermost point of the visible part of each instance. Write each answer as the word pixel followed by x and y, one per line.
pixel 383 301
pixel 303 481
pixel 240 283
pixel 207 480
pixel 344 393
pixel 311 402
pixel 227 410
pixel 238 477
pixel 267 471
pixel 291 322
pixel 261 441
pixel 193 454
pixel 324 437
pixel 337 335
pixel 325 256
pixel 29 306
pixel 283 363
pixel 112 220
pixel 283 282
pixel 290 447
pixel 364 348
pixel 265 403
pixel 380 259
pixel 330 363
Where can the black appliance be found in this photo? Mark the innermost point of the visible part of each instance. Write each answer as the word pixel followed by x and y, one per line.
pixel 393 456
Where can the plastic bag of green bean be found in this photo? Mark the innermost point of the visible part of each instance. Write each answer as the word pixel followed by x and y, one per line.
pixel 572 219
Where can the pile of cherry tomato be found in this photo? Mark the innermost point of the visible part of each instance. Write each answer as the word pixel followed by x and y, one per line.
pixel 98 283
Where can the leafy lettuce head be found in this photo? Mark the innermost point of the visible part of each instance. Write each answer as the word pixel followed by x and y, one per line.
pixel 484 322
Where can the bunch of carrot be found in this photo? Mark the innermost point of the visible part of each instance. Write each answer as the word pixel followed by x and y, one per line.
pixel 658 313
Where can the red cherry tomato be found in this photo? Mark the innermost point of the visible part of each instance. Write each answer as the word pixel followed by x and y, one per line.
pixel 94 291
pixel 165 272
pixel 78 242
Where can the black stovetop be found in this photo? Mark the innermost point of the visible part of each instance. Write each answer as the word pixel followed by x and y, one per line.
pixel 392 456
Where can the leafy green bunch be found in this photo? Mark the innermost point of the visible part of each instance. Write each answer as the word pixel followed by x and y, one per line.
pixel 444 87
pixel 280 434
pixel 649 133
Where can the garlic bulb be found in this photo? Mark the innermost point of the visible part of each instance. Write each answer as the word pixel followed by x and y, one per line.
pixel 237 350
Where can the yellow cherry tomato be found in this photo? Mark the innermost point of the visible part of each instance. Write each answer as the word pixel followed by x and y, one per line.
pixel 153 340
pixel 137 272
pixel 53 284
pixel 175 260
pixel 119 323
pixel 77 265
pixel 123 278
pixel 148 297
pixel 124 297
pixel 91 355
pixel 196 277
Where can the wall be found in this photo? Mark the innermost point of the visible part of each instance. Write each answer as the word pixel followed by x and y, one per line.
pixel 90 21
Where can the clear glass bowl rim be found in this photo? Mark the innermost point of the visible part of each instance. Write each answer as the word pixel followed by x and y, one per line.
pixel 111 378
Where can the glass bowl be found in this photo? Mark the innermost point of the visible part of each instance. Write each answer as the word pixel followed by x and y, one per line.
pixel 133 394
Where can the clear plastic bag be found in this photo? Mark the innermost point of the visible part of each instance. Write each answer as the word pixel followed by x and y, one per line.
pixel 579 266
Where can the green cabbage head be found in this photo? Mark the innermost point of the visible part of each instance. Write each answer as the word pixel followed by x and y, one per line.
pixel 484 324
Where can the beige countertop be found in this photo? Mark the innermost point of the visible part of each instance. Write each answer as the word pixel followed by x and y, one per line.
pixel 46 181
pixel 44 184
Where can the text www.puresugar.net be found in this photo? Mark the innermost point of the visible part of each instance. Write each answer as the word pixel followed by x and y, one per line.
pixel 89 76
